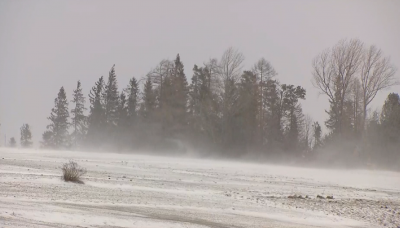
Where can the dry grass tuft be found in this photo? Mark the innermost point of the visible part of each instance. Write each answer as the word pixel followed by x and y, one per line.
pixel 72 172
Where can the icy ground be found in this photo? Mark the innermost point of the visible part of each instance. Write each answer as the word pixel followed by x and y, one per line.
pixel 123 190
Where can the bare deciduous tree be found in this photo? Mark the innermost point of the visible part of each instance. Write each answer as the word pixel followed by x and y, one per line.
pixel 231 64
pixel 377 73
pixel 162 70
pixel 334 72
pixel 230 70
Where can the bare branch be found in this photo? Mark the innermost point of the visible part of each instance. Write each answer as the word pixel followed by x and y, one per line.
pixel 231 64
pixel 377 74
pixel 264 70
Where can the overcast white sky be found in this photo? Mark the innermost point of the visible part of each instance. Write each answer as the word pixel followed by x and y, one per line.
pixel 48 44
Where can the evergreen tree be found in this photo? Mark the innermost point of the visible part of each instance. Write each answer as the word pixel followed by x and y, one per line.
pixel 249 102
pixel 110 99
pixel 273 115
pixel 59 125
pixel 180 95
pixel 122 112
pixel 317 133
pixel 47 139
pixel 133 99
pixel 78 120
pixel 12 143
pixel 292 112
pixel 26 136
pixel 203 108
pixel 96 119
pixel 123 134
pixel 390 119
pixel 149 102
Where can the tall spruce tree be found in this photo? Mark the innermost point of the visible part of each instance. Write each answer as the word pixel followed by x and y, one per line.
pixel 148 106
pixel 390 118
pixel 203 108
pixel 58 128
pixel 110 99
pixel 96 118
pixel 273 115
pixel 78 120
pixel 292 112
pixel 249 102
pixel 123 134
pixel 133 100
pixel 180 95
pixel 26 136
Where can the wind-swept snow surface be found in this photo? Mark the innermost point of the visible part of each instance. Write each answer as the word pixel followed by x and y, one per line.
pixel 123 190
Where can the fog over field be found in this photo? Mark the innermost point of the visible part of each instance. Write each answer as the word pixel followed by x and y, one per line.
pixel 204 113
pixel 123 190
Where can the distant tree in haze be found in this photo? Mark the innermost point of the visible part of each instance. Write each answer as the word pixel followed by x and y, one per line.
pixel 26 136
pixel 123 125
pixel 148 105
pixel 334 71
pixel 264 72
pixel 351 72
pixel 110 99
pixel 203 107
pixel 12 143
pixel 273 115
pixel 78 118
pixel 229 72
pixel 292 111
pixel 96 118
pixel 179 100
pixel 317 134
pixel 377 73
pixel 47 140
pixel 58 128
pixel 308 133
pixel 132 93
pixel 390 122
pixel 162 79
pixel 249 106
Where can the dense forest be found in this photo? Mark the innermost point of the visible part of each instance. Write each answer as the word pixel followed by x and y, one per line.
pixel 228 111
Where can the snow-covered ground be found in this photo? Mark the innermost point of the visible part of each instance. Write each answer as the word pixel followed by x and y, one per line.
pixel 124 190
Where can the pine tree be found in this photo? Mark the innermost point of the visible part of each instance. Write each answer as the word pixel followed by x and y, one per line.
pixel 26 136
pixel 110 99
pixel 249 102
pixel 78 120
pixel 180 95
pixel 96 118
pixel 123 135
pixel 273 115
pixel 203 107
pixel 292 112
pixel 47 140
pixel 122 112
pixel 12 143
pixel 133 99
pixel 148 105
pixel 59 125
pixel 390 117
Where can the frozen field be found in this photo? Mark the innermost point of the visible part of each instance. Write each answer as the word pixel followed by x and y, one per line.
pixel 123 190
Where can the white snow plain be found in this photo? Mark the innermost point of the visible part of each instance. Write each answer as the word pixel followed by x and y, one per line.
pixel 126 190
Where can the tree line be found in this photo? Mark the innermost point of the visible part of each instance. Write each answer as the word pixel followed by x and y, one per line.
pixel 226 110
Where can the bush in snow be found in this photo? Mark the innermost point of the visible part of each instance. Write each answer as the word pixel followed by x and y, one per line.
pixel 73 172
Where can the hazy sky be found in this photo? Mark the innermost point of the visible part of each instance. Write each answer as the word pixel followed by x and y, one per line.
pixel 48 44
